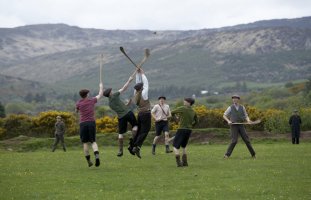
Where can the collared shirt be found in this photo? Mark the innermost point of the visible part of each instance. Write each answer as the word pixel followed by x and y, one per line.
pixel 158 109
pixel 228 111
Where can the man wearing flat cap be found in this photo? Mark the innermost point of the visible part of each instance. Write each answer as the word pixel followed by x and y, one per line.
pixel 187 119
pixel 236 113
pixel 125 115
pixel 142 102
pixel 161 112
pixel 59 133
pixel 294 122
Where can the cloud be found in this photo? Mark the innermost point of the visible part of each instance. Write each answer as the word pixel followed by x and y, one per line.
pixel 148 14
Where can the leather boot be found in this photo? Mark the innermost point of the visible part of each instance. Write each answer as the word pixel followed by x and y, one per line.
pixel 178 162
pixel 153 149
pixel 167 149
pixel 184 160
pixel 120 147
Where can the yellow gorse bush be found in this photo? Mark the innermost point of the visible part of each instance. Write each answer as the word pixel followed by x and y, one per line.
pixel 107 124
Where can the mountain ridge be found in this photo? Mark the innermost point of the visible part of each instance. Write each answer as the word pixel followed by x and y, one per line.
pixel 68 56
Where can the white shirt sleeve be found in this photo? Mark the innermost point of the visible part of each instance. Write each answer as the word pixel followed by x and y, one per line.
pixel 155 108
pixel 145 87
pixel 244 110
pixel 228 111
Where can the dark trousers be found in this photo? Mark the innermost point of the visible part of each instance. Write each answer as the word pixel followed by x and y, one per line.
pixel 295 140
pixel 235 131
pixel 57 139
pixel 144 125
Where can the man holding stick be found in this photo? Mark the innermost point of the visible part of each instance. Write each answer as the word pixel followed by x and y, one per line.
pixel 235 115
pixel 125 115
pixel 86 107
pixel 144 116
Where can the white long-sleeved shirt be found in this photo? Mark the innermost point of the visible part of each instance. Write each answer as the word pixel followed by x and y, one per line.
pixel 142 78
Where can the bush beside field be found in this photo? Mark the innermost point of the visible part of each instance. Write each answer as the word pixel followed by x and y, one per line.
pixel 273 121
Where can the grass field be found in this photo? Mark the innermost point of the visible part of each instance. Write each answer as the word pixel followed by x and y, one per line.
pixel 281 171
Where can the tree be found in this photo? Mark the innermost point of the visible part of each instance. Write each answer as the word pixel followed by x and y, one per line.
pixel 2 111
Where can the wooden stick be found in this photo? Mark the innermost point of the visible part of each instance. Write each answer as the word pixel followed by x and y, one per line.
pixel 101 68
pixel 250 123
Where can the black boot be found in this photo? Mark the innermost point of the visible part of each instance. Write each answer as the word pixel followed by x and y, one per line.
pixel 184 160
pixel 293 140
pixel 120 147
pixel 88 159
pixel 178 162
pixel 153 149
pixel 167 149
pixel 130 148
pixel 136 150
pixel 97 161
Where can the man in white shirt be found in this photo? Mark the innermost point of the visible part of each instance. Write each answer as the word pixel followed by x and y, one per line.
pixel 144 116
pixel 161 112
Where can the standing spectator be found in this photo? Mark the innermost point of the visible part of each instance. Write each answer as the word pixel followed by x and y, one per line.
pixel 295 122
pixel 234 114
pixel 86 107
pixel 161 112
pixel 187 119
pixel 59 133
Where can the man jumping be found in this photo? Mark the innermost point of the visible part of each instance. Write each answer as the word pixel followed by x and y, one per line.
pixel 86 106
pixel 125 115
pixel 144 116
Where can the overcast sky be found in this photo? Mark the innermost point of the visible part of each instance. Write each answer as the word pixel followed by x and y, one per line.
pixel 148 14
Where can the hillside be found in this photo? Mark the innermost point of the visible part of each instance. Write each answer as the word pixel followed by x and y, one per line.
pixel 273 51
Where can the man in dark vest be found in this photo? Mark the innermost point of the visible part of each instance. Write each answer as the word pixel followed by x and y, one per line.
pixel 295 122
pixel 125 115
pixel 144 115
pixel 234 114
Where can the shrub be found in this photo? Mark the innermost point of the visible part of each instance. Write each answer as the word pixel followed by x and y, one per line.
pixel 107 124
pixel 45 121
pixel 276 121
pixel 305 115
pixel 15 125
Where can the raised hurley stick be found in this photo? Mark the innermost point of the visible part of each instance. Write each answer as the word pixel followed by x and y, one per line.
pixel 146 52
pixel 123 51
pixel 250 123
pixel 101 68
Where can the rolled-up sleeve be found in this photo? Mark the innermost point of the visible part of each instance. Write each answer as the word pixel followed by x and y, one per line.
pixel 228 111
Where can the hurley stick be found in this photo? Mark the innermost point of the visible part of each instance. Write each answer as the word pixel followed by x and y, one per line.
pixel 101 68
pixel 250 123
pixel 147 54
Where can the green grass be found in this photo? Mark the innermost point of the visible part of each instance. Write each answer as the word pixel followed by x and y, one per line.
pixel 281 171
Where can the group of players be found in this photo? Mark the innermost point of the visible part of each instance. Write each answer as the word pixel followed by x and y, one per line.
pixel 140 126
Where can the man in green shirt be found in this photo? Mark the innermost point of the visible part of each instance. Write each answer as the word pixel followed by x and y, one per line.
pixel 125 115
pixel 187 119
